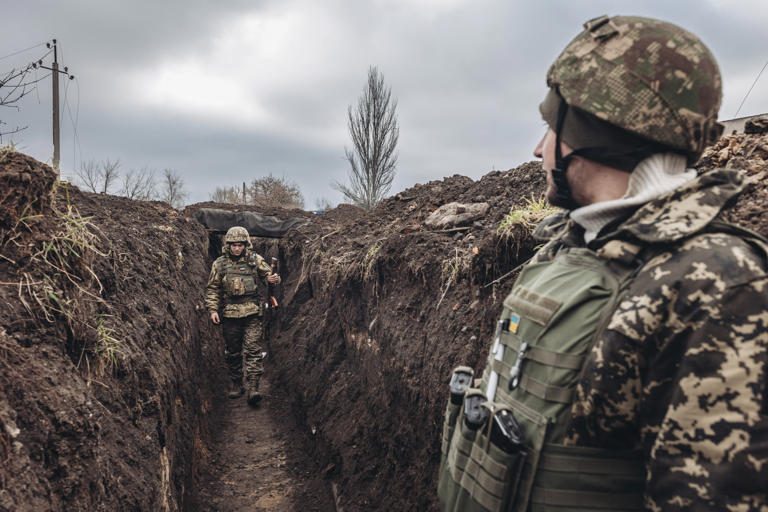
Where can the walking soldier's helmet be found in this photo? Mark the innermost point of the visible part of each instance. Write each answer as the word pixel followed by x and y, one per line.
pixel 237 234
pixel 646 76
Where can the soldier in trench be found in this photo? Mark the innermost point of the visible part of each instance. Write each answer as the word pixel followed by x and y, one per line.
pixel 630 363
pixel 233 300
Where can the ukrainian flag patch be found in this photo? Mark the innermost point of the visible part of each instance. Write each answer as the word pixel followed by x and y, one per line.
pixel 514 322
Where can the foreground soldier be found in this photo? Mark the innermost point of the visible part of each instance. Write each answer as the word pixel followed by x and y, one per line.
pixel 233 289
pixel 628 370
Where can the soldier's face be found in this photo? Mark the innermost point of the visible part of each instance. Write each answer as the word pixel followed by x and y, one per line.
pixel 545 150
pixel 236 248
pixel 590 182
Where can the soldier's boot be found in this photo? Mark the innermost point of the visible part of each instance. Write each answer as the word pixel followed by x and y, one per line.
pixel 253 395
pixel 235 390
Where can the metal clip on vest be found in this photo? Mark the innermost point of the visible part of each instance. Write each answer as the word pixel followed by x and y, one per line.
pixel 517 368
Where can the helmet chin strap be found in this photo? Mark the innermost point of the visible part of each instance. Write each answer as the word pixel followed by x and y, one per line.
pixel 564 196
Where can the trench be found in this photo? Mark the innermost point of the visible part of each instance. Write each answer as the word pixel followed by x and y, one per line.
pixel 112 398
pixel 260 458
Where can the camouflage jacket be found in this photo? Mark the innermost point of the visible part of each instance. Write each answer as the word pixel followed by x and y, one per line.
pixel 681 369
pixel 233 286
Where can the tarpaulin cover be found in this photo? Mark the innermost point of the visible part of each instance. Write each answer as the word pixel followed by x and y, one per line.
pixel 257 225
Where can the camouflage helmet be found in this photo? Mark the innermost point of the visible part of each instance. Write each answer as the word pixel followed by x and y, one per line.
pixel 649 77
pixel 237 234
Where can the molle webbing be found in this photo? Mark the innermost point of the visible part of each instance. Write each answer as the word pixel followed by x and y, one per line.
pixel 548 326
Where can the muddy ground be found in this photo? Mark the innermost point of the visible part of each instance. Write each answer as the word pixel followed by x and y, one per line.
pixel 111 375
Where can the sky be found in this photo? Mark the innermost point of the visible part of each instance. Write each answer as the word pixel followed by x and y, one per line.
pixel 228 91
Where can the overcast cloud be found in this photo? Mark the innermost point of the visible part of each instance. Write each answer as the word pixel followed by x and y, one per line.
pixel 227 91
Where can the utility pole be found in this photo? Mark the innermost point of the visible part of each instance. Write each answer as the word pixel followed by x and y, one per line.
pixel 244 201
pixel 54 69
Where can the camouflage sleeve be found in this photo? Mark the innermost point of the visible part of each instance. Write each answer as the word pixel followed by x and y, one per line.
pixel 213 289
pixel 262 267
pixel 711 449
pixel 682 367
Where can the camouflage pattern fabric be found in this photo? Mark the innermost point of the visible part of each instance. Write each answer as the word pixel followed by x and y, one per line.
pixel 647 76
pixel 682 368
pixel 243 342
pixel 232 285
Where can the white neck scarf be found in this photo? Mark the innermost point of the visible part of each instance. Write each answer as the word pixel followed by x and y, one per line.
pixel 655 176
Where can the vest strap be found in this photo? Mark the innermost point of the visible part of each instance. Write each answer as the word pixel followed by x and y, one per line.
pixel 544 356
pixel 587 500
pixel 535 387
pixel 549 393
pixel 608 466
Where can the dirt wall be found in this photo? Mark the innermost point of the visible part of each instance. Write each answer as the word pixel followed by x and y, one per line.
pixel 107 363
pixel 378 311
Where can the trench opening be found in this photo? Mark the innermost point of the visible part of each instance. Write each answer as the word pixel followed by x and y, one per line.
pixel 262 458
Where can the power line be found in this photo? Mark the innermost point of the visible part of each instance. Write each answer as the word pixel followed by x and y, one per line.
pixel 76 139
pixel 21 51
pixel 750 90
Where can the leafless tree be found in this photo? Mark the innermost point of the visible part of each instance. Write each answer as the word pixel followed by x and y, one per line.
pixel 232 195
pixel 172 188
pixel 374 130
pixel 14 85
pixel 109 174
pixel 98 177
pixel 89 175
pixel 271 192
pixel 139 184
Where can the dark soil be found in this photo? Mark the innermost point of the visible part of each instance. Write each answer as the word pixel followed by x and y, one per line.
pixel 374 324
pixel 111 376
pixel 107 363
pixel 261 460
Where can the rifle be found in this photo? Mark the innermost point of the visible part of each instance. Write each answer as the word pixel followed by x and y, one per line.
pixel 271 299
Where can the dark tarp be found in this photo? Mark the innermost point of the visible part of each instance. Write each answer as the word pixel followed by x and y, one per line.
pixel 257 225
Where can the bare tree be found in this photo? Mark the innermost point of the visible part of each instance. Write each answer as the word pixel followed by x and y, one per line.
pixel 271 192
pixel 172 188
pixel 98 177
pixel 109 174
pixel 14 85
pixel 232 195
pixel 374 130
pixel 139 184
pixel 89 175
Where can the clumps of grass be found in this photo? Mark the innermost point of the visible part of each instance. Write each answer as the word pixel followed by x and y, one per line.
pixel 5 151
pixel 65 286
pixel 527 217
pixel 368 263
pixel 452 268
pixel 109 348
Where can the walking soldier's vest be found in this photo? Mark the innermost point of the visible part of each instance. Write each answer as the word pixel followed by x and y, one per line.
pixel 239 284
pixel 549 324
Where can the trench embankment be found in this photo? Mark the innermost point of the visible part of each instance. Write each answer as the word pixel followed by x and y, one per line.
pixel 107 363
pixel 378 310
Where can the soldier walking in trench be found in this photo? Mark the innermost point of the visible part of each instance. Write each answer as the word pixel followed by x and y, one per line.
pixel 233 289
pixel 629 366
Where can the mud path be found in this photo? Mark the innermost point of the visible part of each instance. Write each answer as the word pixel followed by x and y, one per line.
pixel 261 461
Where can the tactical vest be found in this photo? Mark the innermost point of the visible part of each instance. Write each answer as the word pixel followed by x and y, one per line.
pixel 549 324
pixel 239 282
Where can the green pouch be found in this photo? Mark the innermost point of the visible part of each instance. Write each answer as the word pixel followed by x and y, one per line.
pixel 237 285
pixel 478 476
